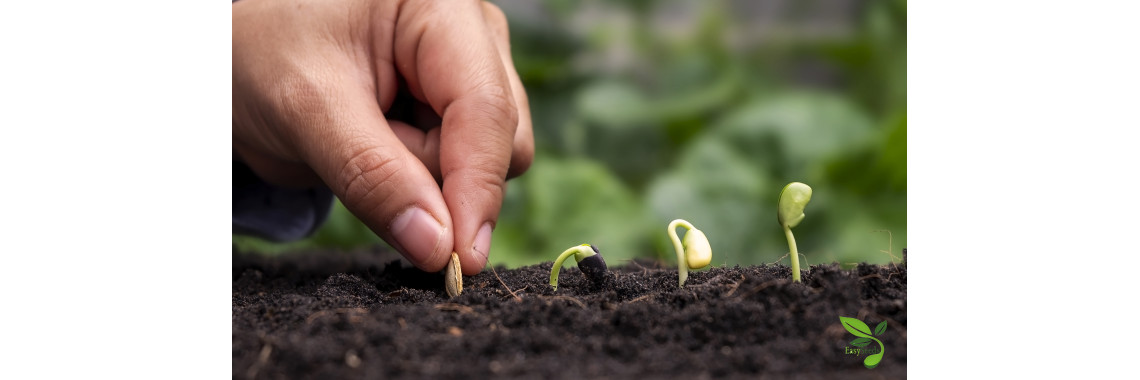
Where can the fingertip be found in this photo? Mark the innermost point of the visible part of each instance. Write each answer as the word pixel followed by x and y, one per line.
pixel 480 251
pixel 422 238
pixel 474 195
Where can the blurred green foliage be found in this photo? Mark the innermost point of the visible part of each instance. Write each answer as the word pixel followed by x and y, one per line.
pixel 648 111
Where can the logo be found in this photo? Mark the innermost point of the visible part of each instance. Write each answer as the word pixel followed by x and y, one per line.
pixel 864 339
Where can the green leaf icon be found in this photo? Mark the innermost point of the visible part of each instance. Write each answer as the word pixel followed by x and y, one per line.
pixel 873 360
pixel 855 327
pixel 863 332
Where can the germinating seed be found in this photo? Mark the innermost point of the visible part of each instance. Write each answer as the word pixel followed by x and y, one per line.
pixel 453 277
pixel 594 267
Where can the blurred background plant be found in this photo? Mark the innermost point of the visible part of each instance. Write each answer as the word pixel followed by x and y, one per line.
pixel 647 111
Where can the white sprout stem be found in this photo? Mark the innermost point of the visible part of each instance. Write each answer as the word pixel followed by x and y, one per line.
pixel 795 254
pixel 682 265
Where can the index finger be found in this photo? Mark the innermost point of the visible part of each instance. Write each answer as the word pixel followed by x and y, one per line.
pixel 449 59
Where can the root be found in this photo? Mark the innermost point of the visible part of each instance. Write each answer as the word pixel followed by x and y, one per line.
pixel 763 286
pixel 890 246
pixel 262 358
pixel 735 285
pixel 344 310
pixel 505 284
pixel 462 309
pixel 873 275
pixel 644 270
pixel 801 254
pixel 642 298
pixel 571 299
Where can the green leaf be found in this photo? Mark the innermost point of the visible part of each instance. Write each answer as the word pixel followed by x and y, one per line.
pixel 861 342
pixel 881 328
pixel 873 360
pixel 793 198
pixel 855 327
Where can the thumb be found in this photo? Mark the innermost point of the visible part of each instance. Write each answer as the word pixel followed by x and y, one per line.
pixel 352 148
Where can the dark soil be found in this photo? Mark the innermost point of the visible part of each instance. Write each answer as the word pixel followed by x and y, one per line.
pixel 332 315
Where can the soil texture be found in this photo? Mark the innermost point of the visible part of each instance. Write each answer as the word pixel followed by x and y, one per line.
pixel 368 314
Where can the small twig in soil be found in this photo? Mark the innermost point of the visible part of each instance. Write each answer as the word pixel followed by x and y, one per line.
pixel 342 310
pixel 879 276
pixel 262 358
pixel 890 273
pixel 462 309
pixel 711 283
pixel 505 284
pixel 642 298
pixel 571 299
pixel 872 275
pixel 644 270
pixel 735 286
pixel 761 287
pixel 890 242
pixel 806 265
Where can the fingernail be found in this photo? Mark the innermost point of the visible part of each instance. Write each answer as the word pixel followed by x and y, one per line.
pixel 483 241
pixel 418 232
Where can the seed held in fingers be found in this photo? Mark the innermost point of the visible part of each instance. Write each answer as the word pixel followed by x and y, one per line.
pixel 453 277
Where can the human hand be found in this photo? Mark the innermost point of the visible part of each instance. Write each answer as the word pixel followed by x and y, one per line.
pixel 313 81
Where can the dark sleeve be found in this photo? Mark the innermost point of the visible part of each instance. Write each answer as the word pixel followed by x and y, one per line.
pixel 276 213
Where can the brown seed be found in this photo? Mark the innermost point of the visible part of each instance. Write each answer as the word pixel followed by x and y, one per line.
pixel 351 359
pixel 453 277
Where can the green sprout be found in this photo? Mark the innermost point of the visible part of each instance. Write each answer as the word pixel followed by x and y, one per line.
pixel 793 198
pixel 590 262
pixel 695 253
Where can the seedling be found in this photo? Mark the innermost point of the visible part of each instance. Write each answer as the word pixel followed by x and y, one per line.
pixel 694 253
pixel 793 198
pixel 590 262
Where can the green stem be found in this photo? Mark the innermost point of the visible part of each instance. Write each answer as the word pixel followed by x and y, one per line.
pixel 558 265
pixel 795 254
pixel 682 265
pixel 872 361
